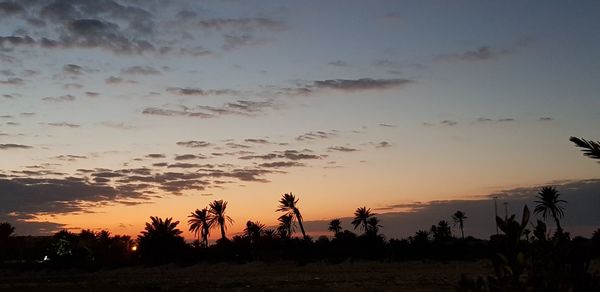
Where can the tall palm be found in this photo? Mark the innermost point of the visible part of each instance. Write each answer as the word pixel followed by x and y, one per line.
pixel 549 205
pixel 199 225
pixel 459 218
pixel 590 148
pixel 361 218
pixel 217 217
pixel 335 226
pixel 286 226
pixel 288 203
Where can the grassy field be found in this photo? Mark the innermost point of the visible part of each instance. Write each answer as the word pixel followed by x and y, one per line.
pixel 357 276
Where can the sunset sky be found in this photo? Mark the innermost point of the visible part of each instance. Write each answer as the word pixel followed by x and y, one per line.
pixel 114 111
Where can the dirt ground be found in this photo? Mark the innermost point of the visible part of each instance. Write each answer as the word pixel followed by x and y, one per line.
pixel 357 276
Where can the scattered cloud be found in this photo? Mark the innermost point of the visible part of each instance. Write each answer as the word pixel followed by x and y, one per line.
pixel 316 135
pixel 338 63
pixel 281 164
pixel 63 124
pixel 483 53
pixel 141 70
pixel 342 149
pixel 62 98
pixel 194 144
pixel 14 146
pixel 361 84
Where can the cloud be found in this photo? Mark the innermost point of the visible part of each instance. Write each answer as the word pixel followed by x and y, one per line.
pixel 239 107
pixel 342 149
pixel 241 24
pixel 288 154
pixel 12 81
pixel 231 42
pixel 92 94
pixel 194 144
pixel 338 63
pixel 383 144
pixel 449 123
pixel 281 164
pixel 73 69
pixel 257 141
pixel 14 146
pixel 189 157
pixel 63 124
pixel 9 8
pixel 156 155
pixel 316 135
pixel 489 120
pixel 202 92
pixel 361 84
pixel 482 53
pixel 141 70
pixel 62 98
pixel 546 119
pixel 115 125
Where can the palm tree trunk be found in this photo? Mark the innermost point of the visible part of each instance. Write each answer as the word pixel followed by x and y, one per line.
pixel 462 231
pixel 558 228
pixel 223 231
pixel 299 217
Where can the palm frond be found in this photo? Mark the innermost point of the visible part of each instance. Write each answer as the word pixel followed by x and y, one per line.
pixel 590 148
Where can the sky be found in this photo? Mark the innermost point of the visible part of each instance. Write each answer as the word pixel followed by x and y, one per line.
pixel 115 111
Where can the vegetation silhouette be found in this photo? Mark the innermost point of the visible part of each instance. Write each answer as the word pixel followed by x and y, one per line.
pixel 361 218
pixel 459 218
pixel 548 204
pixel 218 218
pixel 590 148
pixel 161 241
pixel 199 224
pixel 288 203
pixel 335 226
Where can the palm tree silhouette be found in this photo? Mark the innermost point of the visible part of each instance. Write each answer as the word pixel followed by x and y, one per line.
pixel 335 226
pixel 286 226
pixel 217 217
pixel 6 230
pixel 254 230
pixel 459 218
pixel 549 204
pixel 590 148
pixel 200 226
pixel 361 218
pixel 288 203
pixel 160 240
pixel 373 226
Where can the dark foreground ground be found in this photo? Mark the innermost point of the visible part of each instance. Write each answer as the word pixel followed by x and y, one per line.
pixel 357 276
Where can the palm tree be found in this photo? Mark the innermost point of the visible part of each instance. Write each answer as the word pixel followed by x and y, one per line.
pixel 254 230
pixel 373 226
pixel 288 203
pixel 459 218
pixel 161 240
pixel 361 218
pixel 286 226
pixel 217 217
pixel 200 226
pixel 6 230
pixel 590 148
pixel 549 204
pixel 335 226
